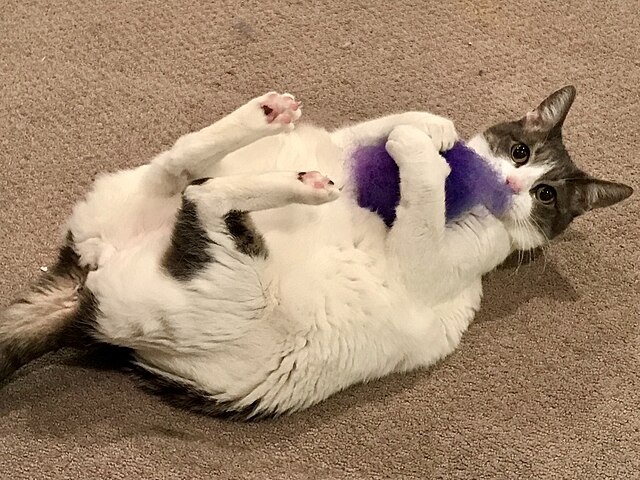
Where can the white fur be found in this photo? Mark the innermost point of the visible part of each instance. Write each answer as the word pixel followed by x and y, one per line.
pixel 340 298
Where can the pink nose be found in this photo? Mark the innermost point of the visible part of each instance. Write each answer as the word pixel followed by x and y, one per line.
pixel 514 184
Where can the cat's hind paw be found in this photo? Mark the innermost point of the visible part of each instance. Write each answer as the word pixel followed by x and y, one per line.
pixel 280 109
pixel 317 188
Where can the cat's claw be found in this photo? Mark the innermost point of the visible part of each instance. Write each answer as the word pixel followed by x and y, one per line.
pixel 280 109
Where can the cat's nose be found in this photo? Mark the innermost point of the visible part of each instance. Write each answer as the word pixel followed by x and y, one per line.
pixel 514 184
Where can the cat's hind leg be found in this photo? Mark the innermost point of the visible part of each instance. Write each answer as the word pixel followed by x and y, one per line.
pixel 128 205
pixel 123 209
pixel 193 154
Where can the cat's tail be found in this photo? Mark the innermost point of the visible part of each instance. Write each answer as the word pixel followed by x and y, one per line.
pixel 43 318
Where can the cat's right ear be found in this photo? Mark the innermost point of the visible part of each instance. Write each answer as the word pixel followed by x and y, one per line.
pixel 590 193
pixel 551 113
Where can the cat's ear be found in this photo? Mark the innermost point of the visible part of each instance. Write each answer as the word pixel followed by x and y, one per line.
pixel 551 113
pixel 590 193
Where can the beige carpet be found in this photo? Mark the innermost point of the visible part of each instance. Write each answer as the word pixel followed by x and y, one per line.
pixel 546 383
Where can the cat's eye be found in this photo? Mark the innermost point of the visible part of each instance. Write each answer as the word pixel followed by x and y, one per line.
pixel 546 194
pixel 520 154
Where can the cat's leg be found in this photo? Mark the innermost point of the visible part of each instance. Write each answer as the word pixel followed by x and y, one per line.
pixel 220 306
pixel 247 193
pixel 216 209
pixel 193 154
pixel 219 207
pixel 416 239
pixel 378 130
pixel 128 204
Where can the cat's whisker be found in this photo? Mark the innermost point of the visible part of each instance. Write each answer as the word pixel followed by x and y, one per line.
pixel 520 230
pixel 543 247
pixel 527 228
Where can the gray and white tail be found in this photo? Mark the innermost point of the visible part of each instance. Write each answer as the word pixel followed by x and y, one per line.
pixel 45 317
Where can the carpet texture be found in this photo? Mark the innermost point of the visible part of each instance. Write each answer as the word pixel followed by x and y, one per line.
pixel 546 382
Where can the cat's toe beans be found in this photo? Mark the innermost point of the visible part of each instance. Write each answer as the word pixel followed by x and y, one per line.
pixel 316 189
pixel 281 109
pixel 286 118
pixel 315 180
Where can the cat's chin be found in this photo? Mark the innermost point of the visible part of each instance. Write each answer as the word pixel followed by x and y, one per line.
pixel 523 233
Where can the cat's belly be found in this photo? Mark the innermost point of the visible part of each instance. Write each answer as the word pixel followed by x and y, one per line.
pixel 334 319
pixel 349 329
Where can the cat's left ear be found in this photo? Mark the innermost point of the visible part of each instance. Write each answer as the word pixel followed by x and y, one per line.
pixel 590 193
pixel 551 113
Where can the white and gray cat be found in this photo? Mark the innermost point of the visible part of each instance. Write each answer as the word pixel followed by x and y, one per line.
pixel 239 284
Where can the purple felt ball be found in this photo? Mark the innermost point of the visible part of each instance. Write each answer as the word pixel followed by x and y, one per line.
pixel 472 182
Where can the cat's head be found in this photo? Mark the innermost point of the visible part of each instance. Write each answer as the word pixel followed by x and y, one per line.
pixel 550 189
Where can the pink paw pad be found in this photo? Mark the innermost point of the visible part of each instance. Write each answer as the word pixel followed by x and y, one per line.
pixel 280 108
pixel 314 179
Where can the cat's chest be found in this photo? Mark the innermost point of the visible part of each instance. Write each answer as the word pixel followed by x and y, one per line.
pixel 454 314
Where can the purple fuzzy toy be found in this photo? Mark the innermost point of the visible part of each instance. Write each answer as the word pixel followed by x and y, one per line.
pixel 472 182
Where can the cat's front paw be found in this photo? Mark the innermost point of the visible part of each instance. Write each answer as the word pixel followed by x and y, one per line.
pixel 410 145
pixel 442 132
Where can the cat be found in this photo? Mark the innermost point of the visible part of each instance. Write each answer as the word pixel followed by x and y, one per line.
pixel 243 282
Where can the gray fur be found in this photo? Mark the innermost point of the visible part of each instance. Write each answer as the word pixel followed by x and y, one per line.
pixel 577 192
pixel 247 239
pixel 189 250
pixel 181 393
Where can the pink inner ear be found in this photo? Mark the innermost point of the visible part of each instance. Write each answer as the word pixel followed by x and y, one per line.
pixel 533 116
pixel 533 119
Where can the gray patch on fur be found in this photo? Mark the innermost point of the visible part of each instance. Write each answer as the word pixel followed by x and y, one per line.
pixel 247 239
pixel 200 181
pixel 81 331
pixel 183 394
pixel 188 253
pixel 576 191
